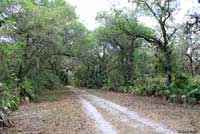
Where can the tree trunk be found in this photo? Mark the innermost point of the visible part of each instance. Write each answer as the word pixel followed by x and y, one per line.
pixel 192 68
pixel 168 67
pixel 168 71
pixel 130 68
pixel 19 75
pixel 4 121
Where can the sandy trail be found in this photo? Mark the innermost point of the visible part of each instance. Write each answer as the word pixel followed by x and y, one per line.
pixel 126 121
pixel 102 125
pixel 83 111
pixel 58 112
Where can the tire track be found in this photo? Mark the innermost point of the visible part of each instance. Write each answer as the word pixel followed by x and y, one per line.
pixel 120 114
pixel 129 116
pixel 102 125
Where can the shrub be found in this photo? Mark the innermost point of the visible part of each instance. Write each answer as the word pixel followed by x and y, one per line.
pixel 26 90
pixel 46 81
pixel 9 98
pixel 151 87
pixel 182 90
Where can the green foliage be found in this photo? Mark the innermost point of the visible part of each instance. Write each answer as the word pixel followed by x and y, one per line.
pixel 185 90
pixel 45 34
pixel 88 77
pixel 26 89
pixel 46 81
pixel 82 74
pixel 182 90
pixel 9 98
pixel 151 87
pixel 63 76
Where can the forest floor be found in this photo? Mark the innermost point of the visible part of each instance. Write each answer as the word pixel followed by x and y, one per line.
pixel 84 111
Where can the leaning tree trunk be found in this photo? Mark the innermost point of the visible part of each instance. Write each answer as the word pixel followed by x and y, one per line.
pixel 4 121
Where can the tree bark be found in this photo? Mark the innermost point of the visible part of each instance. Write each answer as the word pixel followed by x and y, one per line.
pixel 168 67
pixel 4 121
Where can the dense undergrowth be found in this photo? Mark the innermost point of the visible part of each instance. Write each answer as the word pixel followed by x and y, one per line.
pixel 183 89
pixel 12 97
pixel 35 47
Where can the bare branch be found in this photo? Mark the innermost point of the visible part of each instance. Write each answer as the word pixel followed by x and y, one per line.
pixel 149 7
pixel 168 10
pixel 172 34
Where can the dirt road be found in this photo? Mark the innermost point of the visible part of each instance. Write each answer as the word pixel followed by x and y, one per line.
pixel 83 111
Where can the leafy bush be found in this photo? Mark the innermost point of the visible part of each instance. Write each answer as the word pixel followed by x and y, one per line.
pixel 9 98
pixel 189 93
pixel 10 101
pixel 151 87
pixel 46 81
pixel 26 90
pixel 182 90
